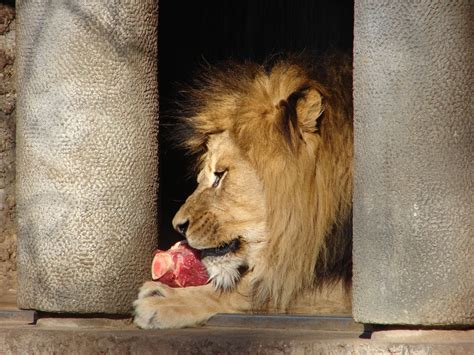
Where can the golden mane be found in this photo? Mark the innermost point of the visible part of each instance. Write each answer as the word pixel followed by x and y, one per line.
pixel 303 156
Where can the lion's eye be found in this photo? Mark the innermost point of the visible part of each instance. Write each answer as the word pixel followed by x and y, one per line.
pixel 219 175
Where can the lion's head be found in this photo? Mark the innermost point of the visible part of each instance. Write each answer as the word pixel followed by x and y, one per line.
pixel 225 216
pixel 274 175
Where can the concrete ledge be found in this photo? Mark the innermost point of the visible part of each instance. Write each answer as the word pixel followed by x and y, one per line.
pixel 424 336
pixel 15 316
pixel 109 336
pixel 326 323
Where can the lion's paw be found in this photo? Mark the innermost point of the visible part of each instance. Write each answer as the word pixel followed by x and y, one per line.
pixel 152 289
pixel 161 307
pixel 152 306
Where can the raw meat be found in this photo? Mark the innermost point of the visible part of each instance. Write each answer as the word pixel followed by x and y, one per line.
pixel 180 266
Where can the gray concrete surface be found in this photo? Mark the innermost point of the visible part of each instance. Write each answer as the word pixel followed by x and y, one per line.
pixel 87 165
pixel 414 149
pixel 118 336
pixel 60 339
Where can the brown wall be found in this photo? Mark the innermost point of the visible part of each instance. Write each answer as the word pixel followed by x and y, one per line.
pixel 7 156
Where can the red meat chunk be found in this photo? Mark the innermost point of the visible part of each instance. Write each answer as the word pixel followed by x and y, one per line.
pixel 180 266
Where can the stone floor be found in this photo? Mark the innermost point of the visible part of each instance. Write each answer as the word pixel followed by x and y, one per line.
pixel 26 332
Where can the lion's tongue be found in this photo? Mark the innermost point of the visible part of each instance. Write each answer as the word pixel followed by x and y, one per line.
pixel 180 266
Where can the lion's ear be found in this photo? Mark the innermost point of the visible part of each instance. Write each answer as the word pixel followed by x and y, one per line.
pixel 300 112
pixel 309 108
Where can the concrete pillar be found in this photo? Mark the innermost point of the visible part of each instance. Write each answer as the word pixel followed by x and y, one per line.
pixel 86 152
pixel 413 102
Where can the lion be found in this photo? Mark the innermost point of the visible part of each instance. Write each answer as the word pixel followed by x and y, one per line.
pixel 272 212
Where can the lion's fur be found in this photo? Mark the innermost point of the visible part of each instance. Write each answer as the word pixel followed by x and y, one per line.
pixel 304 162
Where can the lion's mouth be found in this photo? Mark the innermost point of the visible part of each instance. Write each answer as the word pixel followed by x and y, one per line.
pixel 221 250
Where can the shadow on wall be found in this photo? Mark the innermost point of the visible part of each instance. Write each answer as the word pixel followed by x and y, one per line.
pixel 193 33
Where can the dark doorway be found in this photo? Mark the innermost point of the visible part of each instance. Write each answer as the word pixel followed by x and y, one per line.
pixel 192 33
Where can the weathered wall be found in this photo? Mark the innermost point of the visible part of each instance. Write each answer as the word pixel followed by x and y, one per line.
pixel 7 155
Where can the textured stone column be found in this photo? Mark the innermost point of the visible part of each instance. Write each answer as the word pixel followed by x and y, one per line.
pixel 413 236
pixel 86 152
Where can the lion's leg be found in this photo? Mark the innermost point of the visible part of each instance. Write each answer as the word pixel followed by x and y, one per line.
pixel 160 306
pixel 332 299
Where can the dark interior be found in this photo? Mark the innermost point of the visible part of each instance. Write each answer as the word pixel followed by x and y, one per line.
pixel 192 33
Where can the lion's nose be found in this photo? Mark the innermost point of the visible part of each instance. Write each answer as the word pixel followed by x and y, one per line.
pixel 182 227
